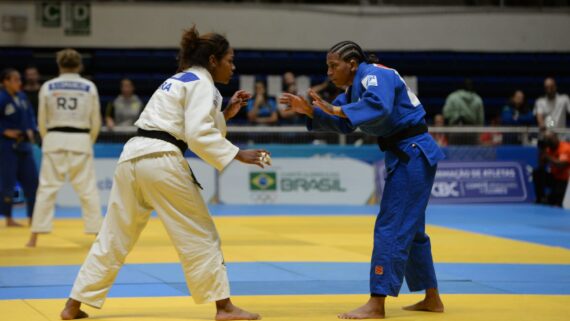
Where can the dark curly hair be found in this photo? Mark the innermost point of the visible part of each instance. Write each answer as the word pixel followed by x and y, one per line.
pixel 195 50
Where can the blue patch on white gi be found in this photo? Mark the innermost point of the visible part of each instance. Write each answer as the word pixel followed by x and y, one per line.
pixel 369 80
pixel 69 85
pixel 185 77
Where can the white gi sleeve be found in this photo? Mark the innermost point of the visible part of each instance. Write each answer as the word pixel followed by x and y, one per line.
pixel 95 116
pixel 203 137
pixel 221 123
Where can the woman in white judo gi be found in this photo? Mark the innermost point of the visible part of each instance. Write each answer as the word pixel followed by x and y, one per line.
pixel 69 119
pixel 152 174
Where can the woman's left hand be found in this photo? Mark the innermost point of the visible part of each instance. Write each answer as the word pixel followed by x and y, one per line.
pixel 326 106
pixel 238 100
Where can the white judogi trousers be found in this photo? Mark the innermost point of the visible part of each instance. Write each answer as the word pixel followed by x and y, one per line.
pixel 159 181
pixel 79 167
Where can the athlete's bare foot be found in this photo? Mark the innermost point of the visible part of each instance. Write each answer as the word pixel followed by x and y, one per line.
pixel 33 240
pixel 72 311
pixel 373 309
pixel 10 222
pixel 225 310
pixel 431 303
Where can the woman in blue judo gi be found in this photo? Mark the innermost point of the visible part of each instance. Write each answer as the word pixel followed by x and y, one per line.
pixel 17 126
pixel 378 102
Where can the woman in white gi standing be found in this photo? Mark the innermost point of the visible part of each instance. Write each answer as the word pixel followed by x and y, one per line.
pixel 69 119
pixel 152 174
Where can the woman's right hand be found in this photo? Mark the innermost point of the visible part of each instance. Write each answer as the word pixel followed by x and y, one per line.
pixel 252 156
pixel 297 104
pixel 12 133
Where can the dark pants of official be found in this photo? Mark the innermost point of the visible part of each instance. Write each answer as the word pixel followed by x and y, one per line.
pixel 401 246
pixel 16 166
pixel 548 189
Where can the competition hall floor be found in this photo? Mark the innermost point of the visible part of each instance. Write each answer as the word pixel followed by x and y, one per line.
pixel 502 262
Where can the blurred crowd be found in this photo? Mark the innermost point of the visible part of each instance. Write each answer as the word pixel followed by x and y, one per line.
pixel 462 107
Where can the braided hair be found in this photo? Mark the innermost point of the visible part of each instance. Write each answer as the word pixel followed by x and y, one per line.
pixel 348 50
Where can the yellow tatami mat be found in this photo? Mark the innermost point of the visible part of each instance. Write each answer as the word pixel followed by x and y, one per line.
pixel 303 308
pixel 277 239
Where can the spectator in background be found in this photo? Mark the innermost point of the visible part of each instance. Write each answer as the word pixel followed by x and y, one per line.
pixel 32 86
pixel 517 112
pixel 551 109
pixel 288 80
pixel 464 107
pixel 553 170
pixel 287 115
pixel 492 138
pixel 262 109
pixel 125 109
pixel 440 138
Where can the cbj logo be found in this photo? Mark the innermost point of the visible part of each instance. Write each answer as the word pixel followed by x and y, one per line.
pixel 445 189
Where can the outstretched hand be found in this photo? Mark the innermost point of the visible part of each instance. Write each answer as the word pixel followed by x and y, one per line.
pixel 238 100
pixel 297 103
pixel 325 106
pixel 253 156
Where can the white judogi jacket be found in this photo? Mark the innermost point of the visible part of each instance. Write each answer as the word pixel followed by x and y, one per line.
pixel 187 106
pixel 69 101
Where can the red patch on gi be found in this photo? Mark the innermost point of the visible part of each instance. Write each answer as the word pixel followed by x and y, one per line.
pixel 379 270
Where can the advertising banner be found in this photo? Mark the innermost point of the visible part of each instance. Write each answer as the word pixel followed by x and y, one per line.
pixel 299 181
pixel 477 182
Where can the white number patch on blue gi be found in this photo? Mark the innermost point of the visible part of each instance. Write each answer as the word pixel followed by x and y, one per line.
pixel 413 98
pixel 369 80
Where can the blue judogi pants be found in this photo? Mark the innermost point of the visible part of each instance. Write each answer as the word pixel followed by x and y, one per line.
pixel 401 246
pixel 16 165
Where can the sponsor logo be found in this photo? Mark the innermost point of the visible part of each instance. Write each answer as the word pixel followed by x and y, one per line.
pixel 263 181
pixel 445 189
pixel 321 184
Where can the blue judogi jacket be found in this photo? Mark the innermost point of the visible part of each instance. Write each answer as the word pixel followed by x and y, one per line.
pixel 380 104
pixel 16 113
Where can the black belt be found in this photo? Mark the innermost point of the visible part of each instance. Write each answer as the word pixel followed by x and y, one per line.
pixel 390 143
pixel 157 134
pixel 69 130
pixel 164 136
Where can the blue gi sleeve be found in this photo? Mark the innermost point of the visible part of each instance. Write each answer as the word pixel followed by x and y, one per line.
pixel 377 100
pixel 323 122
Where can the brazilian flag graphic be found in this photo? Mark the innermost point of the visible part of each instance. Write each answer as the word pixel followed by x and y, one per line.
pixel 263 181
